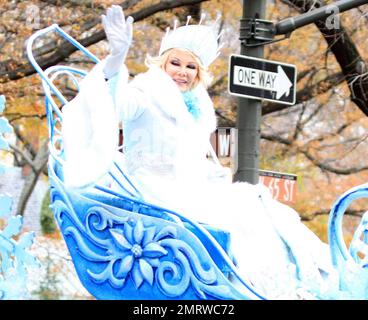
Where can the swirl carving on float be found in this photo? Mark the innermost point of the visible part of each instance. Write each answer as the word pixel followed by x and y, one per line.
pixel 141 253
pixel 188 270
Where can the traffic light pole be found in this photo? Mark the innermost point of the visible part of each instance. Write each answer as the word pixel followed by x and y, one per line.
pixel 255 32
pixel 249 111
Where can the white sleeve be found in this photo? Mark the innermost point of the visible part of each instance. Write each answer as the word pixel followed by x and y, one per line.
pixel 90 131
pixel 130 100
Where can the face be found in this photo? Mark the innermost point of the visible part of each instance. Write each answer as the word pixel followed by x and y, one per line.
pixel 182 68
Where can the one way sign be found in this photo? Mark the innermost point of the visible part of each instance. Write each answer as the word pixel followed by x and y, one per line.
pixel 262 79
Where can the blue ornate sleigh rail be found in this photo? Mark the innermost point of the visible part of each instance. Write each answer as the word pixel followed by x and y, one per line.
pixel 352 262
pixel 121 246
pixel 125 248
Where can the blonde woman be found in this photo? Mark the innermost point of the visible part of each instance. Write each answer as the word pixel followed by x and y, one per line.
pixel 168 117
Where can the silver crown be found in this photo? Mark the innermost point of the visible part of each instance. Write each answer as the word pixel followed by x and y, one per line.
pixel 200 39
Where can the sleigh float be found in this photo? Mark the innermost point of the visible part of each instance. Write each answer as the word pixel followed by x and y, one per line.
pixel 125 248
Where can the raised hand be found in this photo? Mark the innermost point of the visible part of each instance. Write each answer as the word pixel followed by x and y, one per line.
pixel 119 33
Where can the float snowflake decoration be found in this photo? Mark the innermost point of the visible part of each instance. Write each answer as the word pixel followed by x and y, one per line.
pixel 14 255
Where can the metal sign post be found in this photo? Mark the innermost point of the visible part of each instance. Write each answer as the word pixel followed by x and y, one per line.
pixel 249 110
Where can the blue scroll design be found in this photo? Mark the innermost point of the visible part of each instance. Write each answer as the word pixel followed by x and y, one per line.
pixel 132 249
pixel 14 255
pixel 202 279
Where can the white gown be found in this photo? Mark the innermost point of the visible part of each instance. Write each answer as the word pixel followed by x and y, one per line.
pixel 165 155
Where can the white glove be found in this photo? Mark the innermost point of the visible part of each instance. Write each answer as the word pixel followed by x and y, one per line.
pixel 119 34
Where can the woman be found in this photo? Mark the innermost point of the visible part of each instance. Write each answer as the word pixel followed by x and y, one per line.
pixel 168 118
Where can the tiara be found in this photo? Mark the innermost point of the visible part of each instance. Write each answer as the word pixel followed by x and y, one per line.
pixel 200 39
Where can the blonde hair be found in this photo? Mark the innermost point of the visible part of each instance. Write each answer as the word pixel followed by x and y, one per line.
pixel 202 77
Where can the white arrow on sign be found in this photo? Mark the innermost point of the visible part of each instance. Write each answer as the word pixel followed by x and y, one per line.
pixel 266 80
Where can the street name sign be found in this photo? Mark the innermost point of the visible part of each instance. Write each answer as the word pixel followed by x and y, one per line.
pixel 282 186
pixel 223 141
pixel 261 79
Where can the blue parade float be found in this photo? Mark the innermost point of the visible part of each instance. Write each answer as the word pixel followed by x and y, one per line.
pixel 125 248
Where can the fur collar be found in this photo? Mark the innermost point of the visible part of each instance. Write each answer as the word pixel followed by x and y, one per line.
pixel 166 95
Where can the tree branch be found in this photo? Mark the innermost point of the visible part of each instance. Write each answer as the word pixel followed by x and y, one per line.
pixel 307 92
pixel 349 212
pixel 322 165
pixel 39 163
pixel 16 70
pixel 24 155
pixel 345 51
